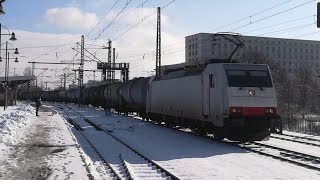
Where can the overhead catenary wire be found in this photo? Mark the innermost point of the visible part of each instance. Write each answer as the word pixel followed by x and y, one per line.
pixel 278 24
pixel 258 13
pixel 289 29
pixel 129 12
pixel 103 17
pixel 264 18
pixel 146 17
pixel 265 10
pixel 104 29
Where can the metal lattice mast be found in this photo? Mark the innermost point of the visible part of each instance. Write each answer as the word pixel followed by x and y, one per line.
pixel 113 63
pixel 158 49
pixel 109 73
pixel 81 69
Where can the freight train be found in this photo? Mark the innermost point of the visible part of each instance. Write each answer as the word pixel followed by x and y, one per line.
pixel 230 100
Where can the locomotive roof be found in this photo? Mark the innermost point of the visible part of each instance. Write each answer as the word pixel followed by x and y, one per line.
pixel 183 72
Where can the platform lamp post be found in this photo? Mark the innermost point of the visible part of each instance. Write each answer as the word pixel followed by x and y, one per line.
pixel 1 9
pixel 12 38
pixel 6 77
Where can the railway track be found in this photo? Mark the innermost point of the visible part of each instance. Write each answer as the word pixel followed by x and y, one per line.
pixel 293 157
pixel 130 164
pixel 301 159
pixel 297 158
pixel 108 167
pixel 288 136
pixel 296 139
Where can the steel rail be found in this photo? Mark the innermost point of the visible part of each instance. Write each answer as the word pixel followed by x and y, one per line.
pixel 96 150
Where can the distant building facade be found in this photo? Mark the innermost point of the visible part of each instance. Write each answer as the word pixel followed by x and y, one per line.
pixel 288 53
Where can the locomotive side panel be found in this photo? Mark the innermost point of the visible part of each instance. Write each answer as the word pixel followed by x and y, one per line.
pixel 179 97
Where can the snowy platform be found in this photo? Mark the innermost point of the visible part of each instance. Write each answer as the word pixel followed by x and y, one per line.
pixel 38 147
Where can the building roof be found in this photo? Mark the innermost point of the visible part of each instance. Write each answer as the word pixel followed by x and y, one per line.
pixel 17 80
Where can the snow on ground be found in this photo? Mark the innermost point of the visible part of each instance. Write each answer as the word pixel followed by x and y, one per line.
pixel 302 135
pixel 11 119
pixel 303 148
pixel 45 147
pixel 192 157
pixel 39 147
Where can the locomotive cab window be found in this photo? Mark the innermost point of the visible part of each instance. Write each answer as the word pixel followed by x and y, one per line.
pixel 212 80
pixel 249 78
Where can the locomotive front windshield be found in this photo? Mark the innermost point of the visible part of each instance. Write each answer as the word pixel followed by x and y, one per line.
pixel 249 78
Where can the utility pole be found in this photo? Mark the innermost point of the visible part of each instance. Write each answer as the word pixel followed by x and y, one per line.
pixel 158 49
pixel 113 63
pixel 109 78
pixel 64 83
pixel 81 70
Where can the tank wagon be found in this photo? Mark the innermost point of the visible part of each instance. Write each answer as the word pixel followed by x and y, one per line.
pixel 234 101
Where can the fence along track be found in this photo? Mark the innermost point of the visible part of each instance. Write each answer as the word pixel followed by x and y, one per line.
pixel 163 170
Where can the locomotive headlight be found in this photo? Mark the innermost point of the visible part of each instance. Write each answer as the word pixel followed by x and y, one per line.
pixel 270 110
pixel 252 92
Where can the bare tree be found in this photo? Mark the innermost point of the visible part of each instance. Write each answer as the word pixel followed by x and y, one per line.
pixel 27 71
pixel 305 85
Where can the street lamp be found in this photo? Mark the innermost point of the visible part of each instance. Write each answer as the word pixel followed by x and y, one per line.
pixel 6 77
pixel 7 59
pixel 13 35
pixel 1 9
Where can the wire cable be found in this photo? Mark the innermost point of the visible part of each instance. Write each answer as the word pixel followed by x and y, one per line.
pixel 103 17
pixel 264 18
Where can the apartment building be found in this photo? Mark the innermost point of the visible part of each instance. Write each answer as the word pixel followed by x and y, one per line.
pixel 288 53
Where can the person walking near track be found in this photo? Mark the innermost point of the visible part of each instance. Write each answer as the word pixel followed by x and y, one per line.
pixel 38 104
